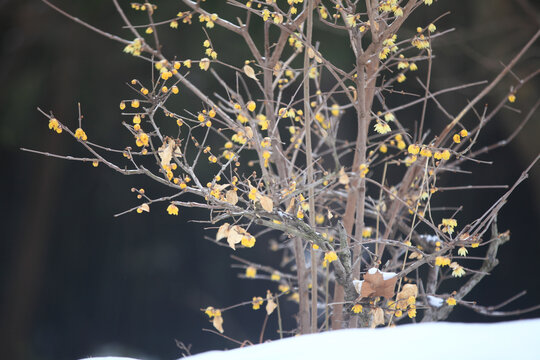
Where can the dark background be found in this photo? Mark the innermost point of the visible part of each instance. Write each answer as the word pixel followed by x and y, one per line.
pixel 75 281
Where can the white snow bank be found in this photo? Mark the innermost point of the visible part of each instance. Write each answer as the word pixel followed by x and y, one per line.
pixel 441 341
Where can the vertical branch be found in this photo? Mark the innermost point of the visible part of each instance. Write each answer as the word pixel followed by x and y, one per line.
pixel 309 164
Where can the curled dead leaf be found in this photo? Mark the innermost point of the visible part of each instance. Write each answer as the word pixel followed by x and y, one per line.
pixel 291 206
pixel 406 292
pixel 167 151
pixel 248 70
pixel 223 231
pixel 218 323
pixel 378 317
pixel 235 236
pixel 270 303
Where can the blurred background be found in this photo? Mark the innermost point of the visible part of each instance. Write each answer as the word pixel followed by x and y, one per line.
pixel 76 281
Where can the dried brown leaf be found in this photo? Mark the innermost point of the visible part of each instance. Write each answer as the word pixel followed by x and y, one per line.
pixel 231 197
pixel 343 177
pixel 165 151
pixel 374 285
pixel 249 132
pixel 270 303
pixel 290 207
pixel 266 203
pixel 223 231
pixel 218 323
pixel 235 236
pixel 378 317
pixel 248 70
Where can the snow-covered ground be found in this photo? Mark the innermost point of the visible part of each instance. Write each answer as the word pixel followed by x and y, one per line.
pixel 518 340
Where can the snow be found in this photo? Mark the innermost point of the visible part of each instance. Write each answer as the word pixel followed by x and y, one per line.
pixel 358 285
pixel 441 341
pixel 386 275
pixel 430 238
pixel 435 301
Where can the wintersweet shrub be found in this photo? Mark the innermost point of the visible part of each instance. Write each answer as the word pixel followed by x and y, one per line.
pixel 339 160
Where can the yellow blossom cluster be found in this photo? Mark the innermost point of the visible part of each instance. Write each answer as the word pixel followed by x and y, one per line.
pixel 80 134
pixel 389 46
pixel 448 225
pixel 391 6
pixel 135 47
pixel 442 261
pixel 329 257
pixel 420 42
pixel 209 19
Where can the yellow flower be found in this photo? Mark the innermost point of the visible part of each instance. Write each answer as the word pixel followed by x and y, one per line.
pixel 381 127
pixel 134 47
pixel 446 155
pixel 413 149
pixel 275 276
pixel 134 104
pixel 141 139
pixel 319 218
pixel 357 308
pixel 462 251
pixel 175 90
pixel 432 28
pixel 366 232
pixel 251 105
pixel 174 24
pixel 428 2
pixel 283 288
pixel 448 225
pixel 80 134
pixel 329 257
pixel 411 313
pixel 463 133
pixel 458 271
pixel 251 272
pixel 257 302
pixel 248 242
pixel 442 261
pixel 457 138
pixel 55 125
pixel 512 98
pixel 172 209
pixel 204 64
pixel 451 301
pixel 211 312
